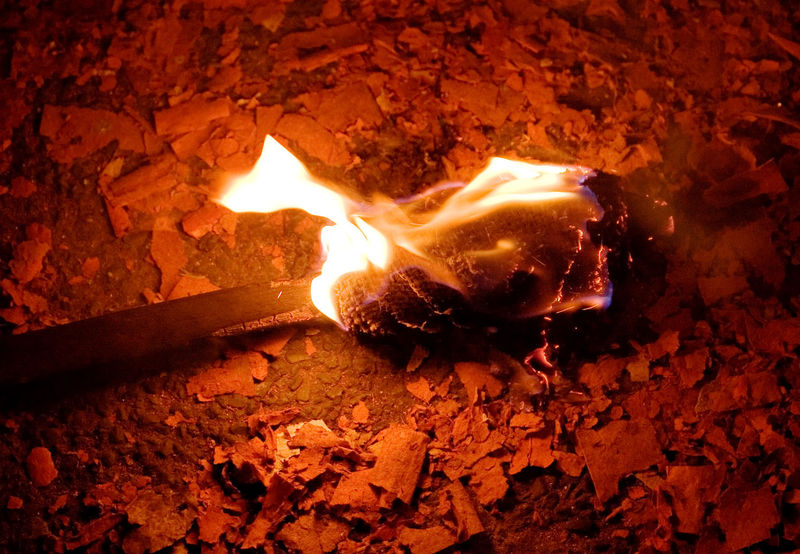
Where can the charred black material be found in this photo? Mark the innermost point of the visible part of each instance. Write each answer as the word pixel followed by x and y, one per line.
pixel 547 262
pixel 630 223
pixel 375 304
pixel 612 230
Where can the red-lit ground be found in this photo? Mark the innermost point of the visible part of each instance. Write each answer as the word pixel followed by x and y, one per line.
pixel 672 421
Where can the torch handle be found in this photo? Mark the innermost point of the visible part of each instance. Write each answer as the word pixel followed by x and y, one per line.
pixel 153 328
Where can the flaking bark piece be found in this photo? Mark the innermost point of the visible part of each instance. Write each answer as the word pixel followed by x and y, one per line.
pixel 156 177
pixel 354 490
pixel 235 376
pixel 616 450
pixel 212 522
pixel 347 104
pixel 476 377
pixel 568 462
pixel 313 138
pixel 463 510
pixel 488 480
pixel 312 535
pixel 29 254
pixel 746 517
pixel 421 388
pixel 92 531
pixel 118 217
pixel 194 115
pixel 41 469
pixel 327 44
pixel 312 435
pixel 603 373
pixel 402 452
pixel 273 342
pixel 188 285
pixel 76 132
pixel 264 418
pixel 168 253
pixel 276 505
pixel 691 489
pixel 309 464
pixel 203 220
pixel 249 460
pixel 532 451
pixel 162 522
pixel 691 367
pixel 426 541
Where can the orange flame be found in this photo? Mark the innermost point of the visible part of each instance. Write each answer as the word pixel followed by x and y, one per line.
pixel 378 235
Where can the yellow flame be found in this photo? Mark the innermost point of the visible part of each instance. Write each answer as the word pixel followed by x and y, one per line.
pixel 503 183
pixel 374 236
pixel 350 247
pixel 280 181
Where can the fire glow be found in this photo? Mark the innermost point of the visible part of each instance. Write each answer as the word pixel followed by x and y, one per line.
pixel 449 221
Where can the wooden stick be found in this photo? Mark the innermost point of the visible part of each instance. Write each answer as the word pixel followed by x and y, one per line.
pixel 148 329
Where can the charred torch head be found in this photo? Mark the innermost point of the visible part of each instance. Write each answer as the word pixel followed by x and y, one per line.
pixel 497 254
pixel 511 244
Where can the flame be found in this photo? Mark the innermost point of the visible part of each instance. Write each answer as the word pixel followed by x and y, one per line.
pixel 280 181
pixel 446 223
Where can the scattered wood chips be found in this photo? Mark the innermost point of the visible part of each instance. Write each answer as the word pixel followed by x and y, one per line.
pixel 678 433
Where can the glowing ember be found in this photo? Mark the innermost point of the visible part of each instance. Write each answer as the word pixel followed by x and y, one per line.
pixel 513 242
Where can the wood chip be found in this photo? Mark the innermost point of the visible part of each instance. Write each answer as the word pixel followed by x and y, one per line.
pixel 313 138
pixel 533 451
pixel 188 285
pixel 402 452
pixel 22 187
pixel 212 522
pixel 234 376
pixel 167 251
pixel 489 480
pixel 273 343
pixel 746 517
pixel 76 132
pixel 348 104
pixel 469 523
pixel 476 377
pixel 274 507
pixel 354 490
pixel 40 465
pixel 194 115
pixel 315 435
pixel 143 182
pixel 692 488
pixel 29 254
pixel 616 450
pixel 360 413
pixel 312 534
pixel 426 541
pixel 421 388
